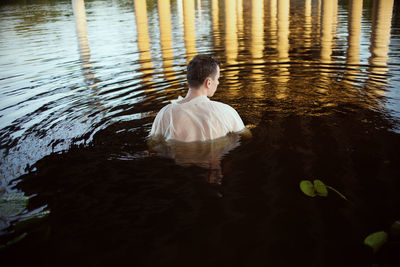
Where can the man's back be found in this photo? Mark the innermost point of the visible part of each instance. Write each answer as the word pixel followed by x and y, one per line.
pixel 199 119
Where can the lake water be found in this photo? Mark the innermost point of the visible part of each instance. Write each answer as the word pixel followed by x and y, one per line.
pixel 316 81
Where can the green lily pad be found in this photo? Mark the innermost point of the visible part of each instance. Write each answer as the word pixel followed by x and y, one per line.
pixel 307 187
pixel 395 229
pixel 13 241
pixel 376 240
pixel 13 205
pixel 320 188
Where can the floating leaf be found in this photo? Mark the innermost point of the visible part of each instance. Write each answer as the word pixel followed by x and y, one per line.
pixel 13 205
pixel 320 188
pixel 395 229
pixel 13 241
pixel 376 240
pixel 307 187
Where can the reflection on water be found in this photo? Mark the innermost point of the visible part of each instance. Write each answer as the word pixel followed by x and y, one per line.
pixel 143 39
pixel 273 62
pixel 316 80
pixel 84 49
pixel 189 27
pixel 380 39
pixel 207 155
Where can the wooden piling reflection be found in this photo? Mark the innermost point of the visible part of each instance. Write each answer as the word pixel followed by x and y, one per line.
pixel 307 23
pixel 189 28
pixel 215 22
pixel 239 18
pixel 283 48
pixel 257 29
pixel 164 15
pixel 83 43
pixel 354 29
pixel 379 44
pixel 257 47
pixel 327 18
pixel 380 35
pixel 271 22
pixel 231 45
pixel 231 42
pixel 143 39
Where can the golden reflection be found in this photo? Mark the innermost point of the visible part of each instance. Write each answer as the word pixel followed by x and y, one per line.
pixel 380 35
pixel 354 28
pixel 317 21
pixel 283 30
pixel 283 47
pixel 143 38
pixel 271 23
pixel 335 16
pixel 206 154
pixel 257 47
pixel 239 16
pixel 308 23
pixel 231 42
pixel 327 21
pixel 164 15
pixel 215 22
pixel 189 28
pixel 83 43
pixel 257 29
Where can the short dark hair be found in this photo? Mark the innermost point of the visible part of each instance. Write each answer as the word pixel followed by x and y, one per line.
pixel 199 68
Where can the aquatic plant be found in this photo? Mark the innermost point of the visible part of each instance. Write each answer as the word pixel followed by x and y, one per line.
pixel 378 239
pixel 318 188
pixel 13 207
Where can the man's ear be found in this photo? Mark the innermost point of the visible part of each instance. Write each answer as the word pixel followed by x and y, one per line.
pixel 207 82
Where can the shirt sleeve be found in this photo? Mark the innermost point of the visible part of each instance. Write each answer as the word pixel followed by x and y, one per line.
pixel 229 118
pixel 237 124
pixel 159 125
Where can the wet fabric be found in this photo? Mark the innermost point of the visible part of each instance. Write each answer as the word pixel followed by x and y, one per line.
pixel 200 119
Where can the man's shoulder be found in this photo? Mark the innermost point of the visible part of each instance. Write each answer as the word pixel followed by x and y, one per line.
pixel 222 105
pixel 166 108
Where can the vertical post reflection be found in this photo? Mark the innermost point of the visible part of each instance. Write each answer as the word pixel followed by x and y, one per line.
pixel 231 43
pixel 308 23
pixel 271 23
pixel 215 22
pixel 180 11
pixel 283 30
pixel 257 46
pixel 317 21
pixel 327 29
pixel 335 5
pixel 164 15
pixel 257 29
pixel 283 47
pixel 143 38
pixel 380 36
pixel 199 8
pixel 189 29
pixel 239 16
pixel 83 43
pixel 354 28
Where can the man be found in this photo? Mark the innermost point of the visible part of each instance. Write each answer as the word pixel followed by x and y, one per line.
pixel 196 117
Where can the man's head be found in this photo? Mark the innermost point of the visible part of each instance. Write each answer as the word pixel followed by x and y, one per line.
pixel 203 70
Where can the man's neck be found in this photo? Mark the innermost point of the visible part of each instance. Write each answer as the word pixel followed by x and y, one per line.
pixel 193 93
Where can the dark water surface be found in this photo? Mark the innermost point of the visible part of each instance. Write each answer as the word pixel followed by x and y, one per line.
pixel 317 82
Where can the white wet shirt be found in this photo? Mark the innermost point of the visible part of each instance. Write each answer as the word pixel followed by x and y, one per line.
pixel 199 119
